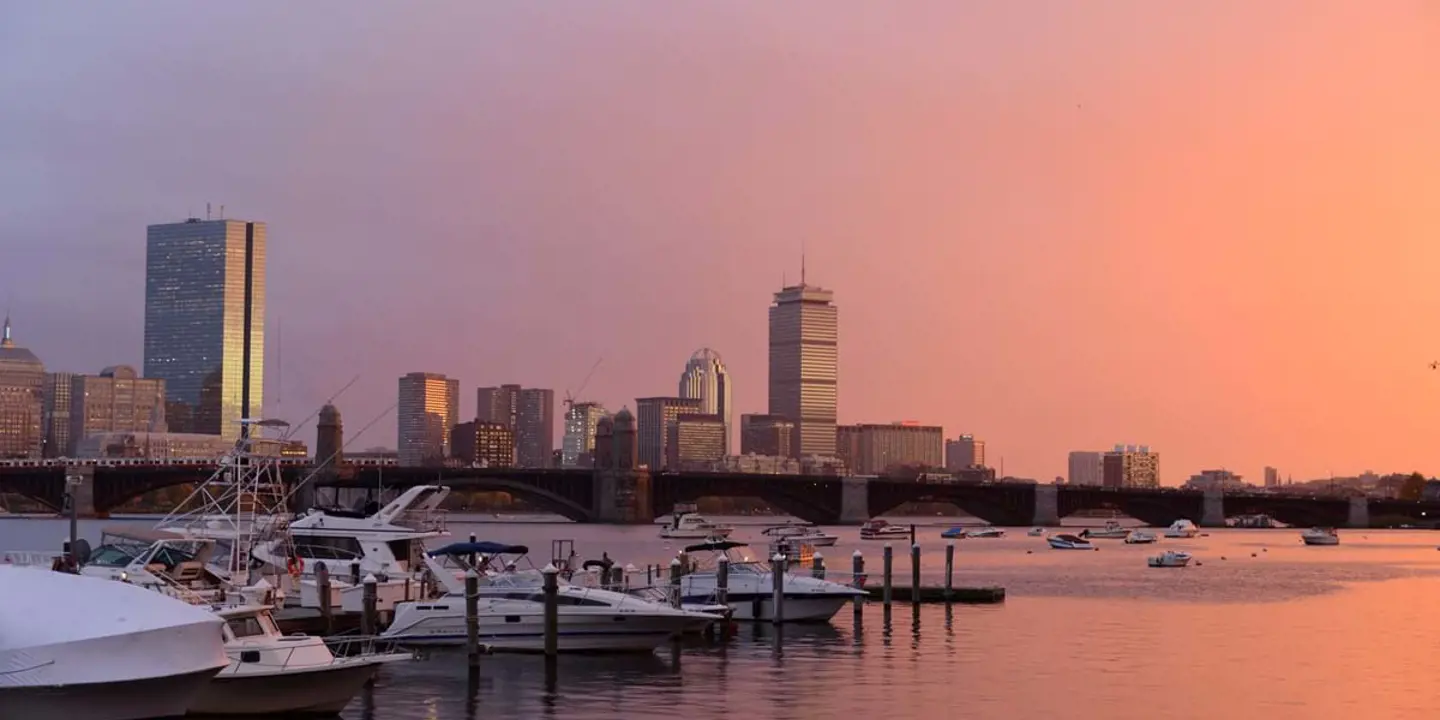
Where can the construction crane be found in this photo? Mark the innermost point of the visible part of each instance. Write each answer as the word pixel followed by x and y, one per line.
pixel 570 398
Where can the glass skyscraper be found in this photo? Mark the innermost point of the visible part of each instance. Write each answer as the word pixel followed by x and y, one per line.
pixel 205 322
pixel 705 379
pixel 804 366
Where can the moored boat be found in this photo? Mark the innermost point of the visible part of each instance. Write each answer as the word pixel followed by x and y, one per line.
pixel 1182 528
pixel 1140 537
pixel 804 534
pixel 750 586
pixel 985 532
pixel 274 674
pixel 1111 531
pixel 954 533
pixel 687 524
pixel 1036 532
pixel 879 529
pixel 83 648
pixel 1320 536
pixel 1069 542
pixel 1169 559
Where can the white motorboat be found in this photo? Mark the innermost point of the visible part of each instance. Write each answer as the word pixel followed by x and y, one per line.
pixel 1036 532
pixel 274 674
pixel 512 611
pixel 750 588
pixel 159 560
pixel 985 532
pixel 1069 542
pixel 803 534
pixel 1182 528
pixel 687 524
pixel 388 543
pixel 1320 536
pixel 82 648
pixel 1169 559
pixel 878 529
pixel 1140 537
pixel 1111 531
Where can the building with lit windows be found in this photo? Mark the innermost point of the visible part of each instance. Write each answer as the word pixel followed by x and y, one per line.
pixel 578 444
pixel 804 366
pixel 205 322
pixel 429 409
pixel 706 379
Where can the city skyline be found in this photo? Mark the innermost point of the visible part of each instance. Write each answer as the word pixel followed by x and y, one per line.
pixel 1019 252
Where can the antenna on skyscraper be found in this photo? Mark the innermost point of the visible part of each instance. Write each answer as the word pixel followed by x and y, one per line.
pixel 802 262
pixel 207 211
pixel 222 212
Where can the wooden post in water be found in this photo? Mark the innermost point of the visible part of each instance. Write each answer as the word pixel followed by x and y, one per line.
pixel 552 610
pixel 472 617
pixel 915 573
pixel 722 580
pixel 817 566
pixel 322 586
pixel 675 574
pixel 355 572
pixel 649 575
pixel 949 571
pixel 857 574
pixel 777 598
pixel 369 622
pixel 888 565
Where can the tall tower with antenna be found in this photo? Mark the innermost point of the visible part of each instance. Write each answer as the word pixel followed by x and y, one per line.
pixel 804 364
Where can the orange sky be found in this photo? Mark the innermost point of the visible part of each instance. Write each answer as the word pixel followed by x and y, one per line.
pixel 1206 227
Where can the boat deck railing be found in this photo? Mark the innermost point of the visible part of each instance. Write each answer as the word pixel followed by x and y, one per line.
pixel 342 649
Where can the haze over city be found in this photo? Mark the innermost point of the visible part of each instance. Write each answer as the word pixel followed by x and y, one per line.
pixel 1207 229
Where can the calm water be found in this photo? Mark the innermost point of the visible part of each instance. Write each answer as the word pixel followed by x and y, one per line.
pixel 1264 627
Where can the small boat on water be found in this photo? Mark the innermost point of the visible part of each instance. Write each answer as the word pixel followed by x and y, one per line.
pixel 1182 528
pixel 1036 532
pixel 687 524
pixel 803 534
pixel 954 533
pixel 1169 559
pixel 1069 542
pixel 878 529
pixel 751 586
pixel 274 674
pixel 1111 531
pixel 1320 536
pixel 512 610
pixel 83 648
pixel 985 532
pixel 1140 537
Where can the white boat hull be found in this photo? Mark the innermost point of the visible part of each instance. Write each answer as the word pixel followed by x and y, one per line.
pixel 1321 540
pixel 578 632
pixel 797 609
pixel 1107 534
pixel 319 691
pixel 671 534
pixel 161 697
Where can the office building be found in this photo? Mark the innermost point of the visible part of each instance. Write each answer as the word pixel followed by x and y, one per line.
pixel 654 417
pixel 57 415
pixel 804 366
pixel 483 444
pixel 1086 468
pixel 768 435
pixel 874 449
pixel 205 322
pixel 706 380
pixel 1272 477
pixel 22 409
pixel 116 401
pixel 152 446
pixel 529 412
pixel 964 453
pixel 429 409
pixel 695 442
pixel 577 447
pixel 1131 466
pixel 1219 480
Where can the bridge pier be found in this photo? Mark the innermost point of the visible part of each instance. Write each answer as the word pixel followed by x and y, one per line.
pixel 1047 506
pixel 82 492
pixel 622 497
pixel 1359 512
pixel 1213 510
pixel 854 500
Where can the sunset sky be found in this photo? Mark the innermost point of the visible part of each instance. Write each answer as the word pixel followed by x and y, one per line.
pixel 1210 227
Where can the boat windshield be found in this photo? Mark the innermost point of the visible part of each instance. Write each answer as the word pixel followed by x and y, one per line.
pixel 116 556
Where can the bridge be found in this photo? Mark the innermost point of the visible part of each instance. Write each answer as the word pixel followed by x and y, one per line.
pixel 626 496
